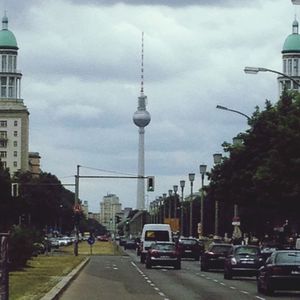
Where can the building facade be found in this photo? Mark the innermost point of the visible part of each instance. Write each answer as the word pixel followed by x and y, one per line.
pixel 14 115
pixel 109 207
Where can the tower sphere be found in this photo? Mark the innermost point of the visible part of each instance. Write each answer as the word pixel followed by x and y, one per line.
pixel 141 118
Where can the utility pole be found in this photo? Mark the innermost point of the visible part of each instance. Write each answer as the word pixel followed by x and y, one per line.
pixel 76 212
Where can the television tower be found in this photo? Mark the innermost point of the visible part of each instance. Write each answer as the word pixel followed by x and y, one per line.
pixel 141 118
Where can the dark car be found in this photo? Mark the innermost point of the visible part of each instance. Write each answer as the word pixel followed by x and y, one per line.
pixel 190 248
pixel 122 240
pixel 215 256
pixel 130 244
pixel 163 254
pixel 280 272
pixel 243 260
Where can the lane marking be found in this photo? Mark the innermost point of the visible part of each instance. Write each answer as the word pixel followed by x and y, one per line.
pixel 245 292
pixel 260 298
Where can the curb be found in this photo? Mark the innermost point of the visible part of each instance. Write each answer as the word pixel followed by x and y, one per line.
pixel 57 290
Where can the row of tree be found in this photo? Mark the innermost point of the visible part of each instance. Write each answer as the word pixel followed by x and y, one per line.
pixel 261 174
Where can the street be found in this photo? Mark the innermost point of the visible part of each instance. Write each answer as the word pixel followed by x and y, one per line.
pixel 124 277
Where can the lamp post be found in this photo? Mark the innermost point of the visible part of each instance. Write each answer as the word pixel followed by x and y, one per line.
pixel 202 169
pixel 255 70
pixel 175 189
pixel 165 206
pixel 169 208
pixel 182 184
pixel 233 110
pixel 217 160
pixel 161 206
pixel 191 178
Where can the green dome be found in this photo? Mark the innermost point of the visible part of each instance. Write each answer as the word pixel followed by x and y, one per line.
pixel 7 39
pixel 291 44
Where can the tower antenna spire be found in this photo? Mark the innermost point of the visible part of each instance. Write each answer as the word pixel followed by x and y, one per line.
pixel 142 65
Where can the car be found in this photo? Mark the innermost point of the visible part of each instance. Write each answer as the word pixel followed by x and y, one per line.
pixel 163 254
pixel 243 260
pixel 190 248
pixel 280 272
pixel 53 242
pixel 122 240
pixel 130 244
pixel 102 238
pixel 214 256
pixel 152 233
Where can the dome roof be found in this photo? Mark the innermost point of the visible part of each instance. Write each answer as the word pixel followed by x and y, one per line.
pixel 7 38
pixel 291 44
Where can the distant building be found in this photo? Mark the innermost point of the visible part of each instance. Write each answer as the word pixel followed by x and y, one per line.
pixel 34 163
pixel 94 216
pixel 109 207
pixel 85 208
pixel 14 115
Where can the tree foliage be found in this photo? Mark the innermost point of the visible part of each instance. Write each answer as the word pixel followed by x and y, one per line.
pixel 262 174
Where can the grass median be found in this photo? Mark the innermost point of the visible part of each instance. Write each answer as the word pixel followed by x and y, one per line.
pixel 43 272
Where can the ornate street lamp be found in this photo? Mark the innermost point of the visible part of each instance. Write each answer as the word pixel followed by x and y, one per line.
pixel 175 189
pixel 217 160
pixel 182 184
pixel 191 178
pixel 202 172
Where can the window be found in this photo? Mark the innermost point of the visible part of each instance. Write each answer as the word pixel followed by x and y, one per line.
pixel 284 66
pixel 10 61
pixel 290 66
pixel 15 144
pixel 3 144
pixel 4 164
pixel 4 63
pixel 3 134
pixel 11 82
pixel 3 153
pixel 15 133
pixel 3 123
pixel 15 164
pixel 15 153
pixel 3 86
pixel 296 66
pixel 15 123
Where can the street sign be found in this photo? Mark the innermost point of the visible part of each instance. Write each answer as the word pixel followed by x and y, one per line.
pixel 91 240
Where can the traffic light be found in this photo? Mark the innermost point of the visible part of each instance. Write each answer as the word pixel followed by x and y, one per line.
pixel 15 189
pixel 150 183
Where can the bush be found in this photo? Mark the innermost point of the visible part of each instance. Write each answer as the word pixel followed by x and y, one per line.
pixel 21 246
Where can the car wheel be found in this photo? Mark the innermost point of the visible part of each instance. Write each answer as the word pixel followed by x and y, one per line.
pixel 227 274
pixel 148 265
pixel 269 290
pixel 177 265
pixel 259 287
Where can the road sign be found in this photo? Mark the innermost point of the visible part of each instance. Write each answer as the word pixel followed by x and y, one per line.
pixel 91 240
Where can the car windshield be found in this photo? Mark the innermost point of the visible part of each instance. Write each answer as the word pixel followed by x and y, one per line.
pixel 163 247
pixel 156 235
pixel 288 258
pixel 247 250
pixel 188 242
pixel 220 249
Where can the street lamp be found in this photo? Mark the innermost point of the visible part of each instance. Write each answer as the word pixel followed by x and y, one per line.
pixel 170 195
pixel 182 184
pixel 233 110
pixel 165 206
pixel 217 160
pixel 191 178
pixel 255 70
pixel 202 172
pixel 175 189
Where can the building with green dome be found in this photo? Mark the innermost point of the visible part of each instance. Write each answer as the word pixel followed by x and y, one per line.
pixel 14 115
pixel 291 60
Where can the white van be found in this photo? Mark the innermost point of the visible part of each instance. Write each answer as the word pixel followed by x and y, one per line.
pixel 152 233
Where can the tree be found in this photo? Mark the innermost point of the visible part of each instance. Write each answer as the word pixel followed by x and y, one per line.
pixel 262 175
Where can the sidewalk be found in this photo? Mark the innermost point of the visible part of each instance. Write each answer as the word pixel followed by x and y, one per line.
pixel 56 291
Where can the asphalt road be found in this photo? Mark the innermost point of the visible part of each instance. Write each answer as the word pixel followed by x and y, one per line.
pixel 124 277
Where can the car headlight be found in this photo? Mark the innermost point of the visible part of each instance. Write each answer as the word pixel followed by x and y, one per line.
pixel 233 261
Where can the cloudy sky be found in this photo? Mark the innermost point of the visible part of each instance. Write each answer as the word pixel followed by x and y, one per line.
pixel 81 60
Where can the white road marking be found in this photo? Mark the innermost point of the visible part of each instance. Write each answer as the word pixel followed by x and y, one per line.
pixel 245 292
pixel 233 288
pixel 260 298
